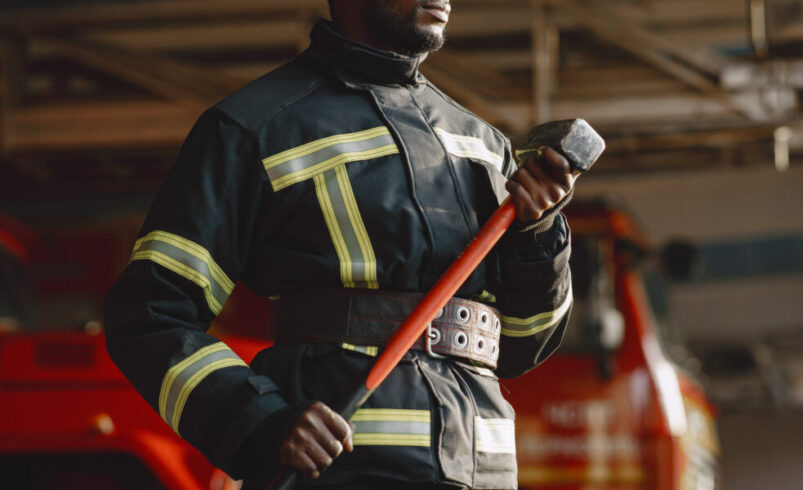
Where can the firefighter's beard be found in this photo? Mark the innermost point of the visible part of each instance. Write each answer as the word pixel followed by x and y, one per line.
pixel 403 33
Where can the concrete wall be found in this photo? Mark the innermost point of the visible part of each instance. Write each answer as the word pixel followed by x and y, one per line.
pixel 716 205
pixel 725 202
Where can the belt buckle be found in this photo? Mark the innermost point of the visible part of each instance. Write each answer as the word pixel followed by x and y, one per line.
pixel 431 334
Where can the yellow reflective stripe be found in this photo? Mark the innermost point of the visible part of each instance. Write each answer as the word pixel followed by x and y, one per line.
pixel 340 159
pixel 390 414
pixel 524 327
pixel 494 435
pixel 188 260
pixel 184 376
pixel 370 350
pixel 417 440
pixel 194 249
pixel 391 427
pixel 316 145
pixel 346 228
pixel 304 162
pixel 170 377
pixel 167 262
pixel 368 257
pixel 485 297
pixel 334 231
pixel 194 381
pixel 469 147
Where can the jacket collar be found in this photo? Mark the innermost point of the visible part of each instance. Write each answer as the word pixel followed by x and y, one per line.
pixel 357 63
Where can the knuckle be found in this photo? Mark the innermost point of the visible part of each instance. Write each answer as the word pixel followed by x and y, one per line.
pixel 530 214
pixel 296 435
pixel 337 448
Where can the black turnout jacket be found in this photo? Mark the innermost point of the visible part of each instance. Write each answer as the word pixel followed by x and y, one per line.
pixel 345 168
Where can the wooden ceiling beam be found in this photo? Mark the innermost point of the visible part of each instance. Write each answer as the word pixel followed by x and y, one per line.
pixel 12 74
pixel 170 79
pixel 486 21
pixel 131 124
pixel 453 84
pixel 219 34
pixel 674 12
pixel 80 17
pixel 727 137
pixel 476 74
pixel 647 47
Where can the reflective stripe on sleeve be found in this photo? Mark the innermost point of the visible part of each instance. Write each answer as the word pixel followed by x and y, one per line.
pixel 494 435
pixel 346 228
pixel 391 427
pixel 304 162
pixel 182 378
pixel 469 147
pixel 524 327
pixel 189 260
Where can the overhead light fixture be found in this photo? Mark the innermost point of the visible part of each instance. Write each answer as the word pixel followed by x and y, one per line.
pixel 781 136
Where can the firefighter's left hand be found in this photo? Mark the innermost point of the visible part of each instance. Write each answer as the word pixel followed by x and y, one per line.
pixel 539 184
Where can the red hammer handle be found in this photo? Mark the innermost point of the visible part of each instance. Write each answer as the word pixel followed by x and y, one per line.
pixel 440 294
pixel 417 321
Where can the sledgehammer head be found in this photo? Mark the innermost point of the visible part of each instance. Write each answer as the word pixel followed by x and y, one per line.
pixel 575 139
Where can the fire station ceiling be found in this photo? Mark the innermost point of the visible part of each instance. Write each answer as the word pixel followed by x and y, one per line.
pixel 99 94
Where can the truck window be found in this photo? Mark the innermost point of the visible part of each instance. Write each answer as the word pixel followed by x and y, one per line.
pixel 13 298
pixel 594 312
pixel 671 340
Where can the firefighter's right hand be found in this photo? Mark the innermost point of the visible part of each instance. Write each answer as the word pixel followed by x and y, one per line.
pixel 316 438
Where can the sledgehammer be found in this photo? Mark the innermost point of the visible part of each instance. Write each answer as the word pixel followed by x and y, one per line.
pixel 577 141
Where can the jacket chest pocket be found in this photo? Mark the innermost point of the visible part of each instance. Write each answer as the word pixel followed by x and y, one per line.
pixel 479 155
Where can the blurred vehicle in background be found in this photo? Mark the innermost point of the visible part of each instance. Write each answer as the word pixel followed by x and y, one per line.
pixel 16 247
pixel 609 410
pixel 68 417
pixel 70 420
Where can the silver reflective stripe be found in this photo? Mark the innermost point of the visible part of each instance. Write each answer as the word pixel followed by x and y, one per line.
pixel 370 350
pixel 183 377
pixel 494 435
pixel 469 147
pixel 346 228
pixel 189 260
pixel 524 327
pixel 304 162
pixel 391 427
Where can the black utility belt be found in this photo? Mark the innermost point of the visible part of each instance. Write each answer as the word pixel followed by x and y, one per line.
pixel 463 328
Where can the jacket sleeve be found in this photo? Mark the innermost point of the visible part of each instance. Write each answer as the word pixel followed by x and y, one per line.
pixel 534 292
pixel 192 249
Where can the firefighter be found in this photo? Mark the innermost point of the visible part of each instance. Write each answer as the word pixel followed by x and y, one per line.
pixel 342 185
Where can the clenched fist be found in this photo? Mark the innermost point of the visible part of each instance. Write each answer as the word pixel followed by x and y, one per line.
pixel 315 439
pixel 539 184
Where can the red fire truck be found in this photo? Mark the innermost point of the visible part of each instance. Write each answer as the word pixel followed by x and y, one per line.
pixel 609 410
